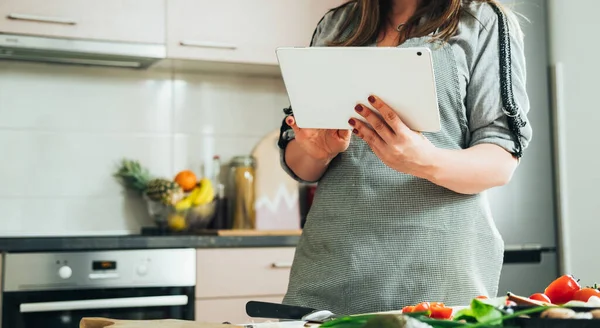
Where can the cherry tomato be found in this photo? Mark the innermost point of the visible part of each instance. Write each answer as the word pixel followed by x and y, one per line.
pixel 540 297
pixel 562 290
pixel 432 304
pixel 408 309
pixel 440 312
pixel 584 294
pixel 422 307
pixel 482 297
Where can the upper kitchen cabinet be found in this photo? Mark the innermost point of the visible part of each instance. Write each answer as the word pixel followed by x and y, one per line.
pixel 111 20
pixel 240 31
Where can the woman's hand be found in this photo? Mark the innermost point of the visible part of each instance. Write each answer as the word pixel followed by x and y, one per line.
pixel 399 147
pixel 320 144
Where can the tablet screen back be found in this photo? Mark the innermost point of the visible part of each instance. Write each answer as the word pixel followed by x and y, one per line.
pixel 325 83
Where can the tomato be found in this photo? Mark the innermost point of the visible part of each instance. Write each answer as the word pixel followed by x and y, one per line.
pixel 440 312
pixel 584 294
pixel 510 303
pixel 432 304
pixel 482 297
pixel 540 297
pixel 422 307
pixel 408 309
pixel 562 290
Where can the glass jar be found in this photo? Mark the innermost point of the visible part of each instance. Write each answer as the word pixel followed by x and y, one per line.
pixel 241 193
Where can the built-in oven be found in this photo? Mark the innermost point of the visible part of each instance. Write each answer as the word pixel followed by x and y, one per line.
pixel 55 290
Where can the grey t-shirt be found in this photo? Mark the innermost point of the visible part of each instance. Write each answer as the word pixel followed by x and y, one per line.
pixel 476 50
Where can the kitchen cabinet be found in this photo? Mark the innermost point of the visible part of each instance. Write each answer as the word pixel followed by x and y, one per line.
pixel 229 309
pixel 240 31
pixel 113 20
pixel 227 278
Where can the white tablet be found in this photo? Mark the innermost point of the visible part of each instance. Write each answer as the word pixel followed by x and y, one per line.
pixel 325 83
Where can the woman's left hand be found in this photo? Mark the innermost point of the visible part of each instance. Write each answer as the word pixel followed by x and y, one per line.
pixel 399 147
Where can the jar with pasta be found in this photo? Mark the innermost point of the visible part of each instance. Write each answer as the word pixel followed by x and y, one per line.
pixel 242 193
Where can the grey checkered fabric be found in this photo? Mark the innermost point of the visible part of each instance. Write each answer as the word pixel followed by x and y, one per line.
pixel 378 240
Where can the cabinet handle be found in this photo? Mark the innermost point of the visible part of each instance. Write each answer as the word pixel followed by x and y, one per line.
pixel 281 265
pixel 207 44
pixel 44 19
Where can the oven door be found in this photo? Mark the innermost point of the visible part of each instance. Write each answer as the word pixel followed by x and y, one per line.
pixel 64 309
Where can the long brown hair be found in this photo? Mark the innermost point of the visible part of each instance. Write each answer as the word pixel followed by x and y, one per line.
pixel 370 16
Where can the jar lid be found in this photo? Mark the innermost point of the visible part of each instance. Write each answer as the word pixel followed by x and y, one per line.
pixel 243 160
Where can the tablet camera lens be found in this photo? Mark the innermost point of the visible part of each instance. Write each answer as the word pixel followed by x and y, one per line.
pixel 419 53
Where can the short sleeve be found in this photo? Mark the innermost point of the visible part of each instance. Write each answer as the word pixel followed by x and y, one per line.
pixel 489 123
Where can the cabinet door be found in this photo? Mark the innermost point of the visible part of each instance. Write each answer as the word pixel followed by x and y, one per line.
pixel 230 309
pixel 116 20
pixel 239 272
pixel 240 31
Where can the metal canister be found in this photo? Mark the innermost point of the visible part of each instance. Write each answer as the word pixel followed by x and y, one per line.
pixel 241 193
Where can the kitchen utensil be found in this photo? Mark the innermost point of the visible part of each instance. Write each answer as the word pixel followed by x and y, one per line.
pixel 257 309
pixel 277 198
pixel 113 323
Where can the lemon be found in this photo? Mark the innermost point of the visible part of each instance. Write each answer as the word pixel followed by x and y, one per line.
pixel 177 222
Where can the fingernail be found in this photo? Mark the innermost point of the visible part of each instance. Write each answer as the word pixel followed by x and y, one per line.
pixel 358 108
pixel 351 122
pixel 371 99
pixel 289 121
pixel 355 131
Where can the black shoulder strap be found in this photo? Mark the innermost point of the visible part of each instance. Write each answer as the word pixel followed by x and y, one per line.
pixel 511 109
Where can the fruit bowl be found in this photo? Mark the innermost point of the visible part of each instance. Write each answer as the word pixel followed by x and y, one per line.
pixel 199 217
pixel 192 218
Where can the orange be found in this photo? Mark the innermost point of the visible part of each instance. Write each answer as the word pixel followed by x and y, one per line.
pixel 186 179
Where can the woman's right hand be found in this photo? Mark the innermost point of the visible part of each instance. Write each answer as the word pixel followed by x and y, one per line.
pixel 320 144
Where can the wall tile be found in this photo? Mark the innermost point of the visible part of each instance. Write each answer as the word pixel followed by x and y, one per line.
pixel 195 152
pixel 64 129
pixel 118 214
pixel 228 105
pixel 65 98
pixel 44 164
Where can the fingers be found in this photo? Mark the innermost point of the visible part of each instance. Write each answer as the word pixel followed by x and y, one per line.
pixel 291 121
pixel 388 114
pixel 370 136
pixel 378 124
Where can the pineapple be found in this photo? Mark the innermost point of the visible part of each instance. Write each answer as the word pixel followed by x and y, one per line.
pixel 133 175
pixel 165 191
pixel 136 177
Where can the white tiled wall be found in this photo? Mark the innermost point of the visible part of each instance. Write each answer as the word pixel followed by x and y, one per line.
pixel 64 129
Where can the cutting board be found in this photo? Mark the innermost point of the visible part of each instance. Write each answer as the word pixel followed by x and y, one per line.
pixel 112 323
pixel 251 233
pixel 277 203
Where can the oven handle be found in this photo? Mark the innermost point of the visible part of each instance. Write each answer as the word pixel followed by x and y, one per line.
pixel 107 303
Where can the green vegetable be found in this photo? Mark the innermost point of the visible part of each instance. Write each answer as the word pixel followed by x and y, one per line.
pixel 385 321
pixel 482 310
pixel 482 313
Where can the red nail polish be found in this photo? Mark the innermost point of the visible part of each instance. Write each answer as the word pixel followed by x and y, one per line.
pixel 355 131
pixel 371 99
pixel 358 108
pixel 289 121
pixel 351 122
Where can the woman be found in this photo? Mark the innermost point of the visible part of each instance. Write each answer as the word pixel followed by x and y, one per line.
pixel 401 217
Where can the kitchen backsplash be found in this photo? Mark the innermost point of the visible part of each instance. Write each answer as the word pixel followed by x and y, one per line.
pixel 64 129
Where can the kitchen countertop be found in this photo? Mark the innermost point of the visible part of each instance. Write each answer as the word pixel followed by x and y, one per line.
pixel 94 243
pixel 54 244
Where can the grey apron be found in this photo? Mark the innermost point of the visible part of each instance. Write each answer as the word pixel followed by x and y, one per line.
pixel 378 240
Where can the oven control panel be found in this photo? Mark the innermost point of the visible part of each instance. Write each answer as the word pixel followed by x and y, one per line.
pixel 105 269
